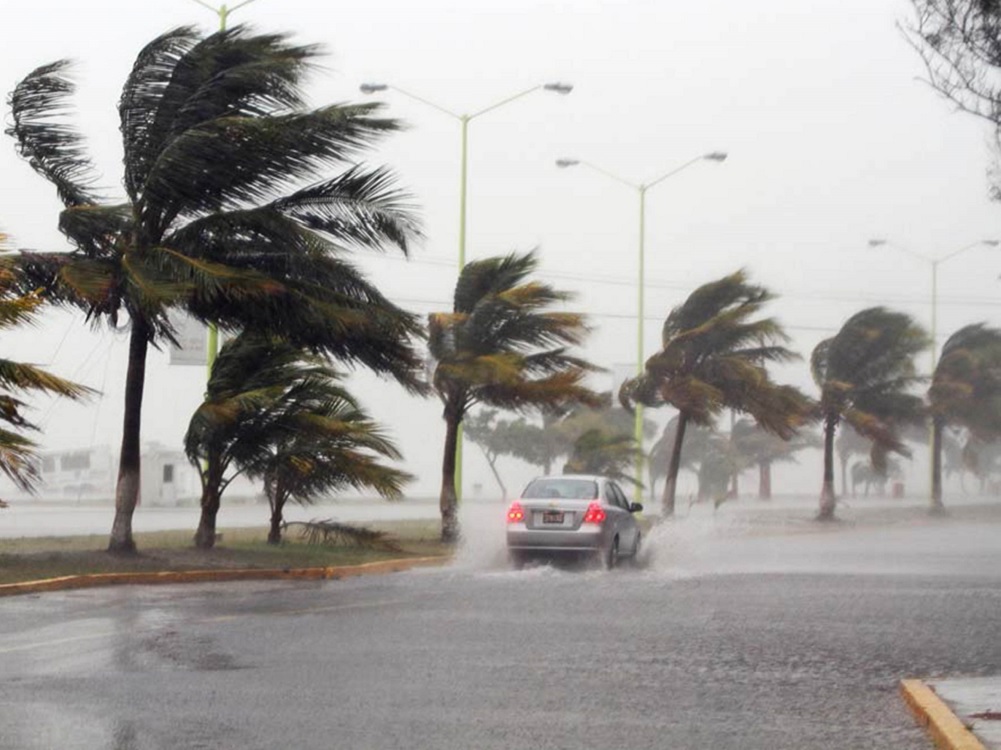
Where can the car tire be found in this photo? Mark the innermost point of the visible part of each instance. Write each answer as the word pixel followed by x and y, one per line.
pixel 516 558
pixel 610 556
pixel 635 559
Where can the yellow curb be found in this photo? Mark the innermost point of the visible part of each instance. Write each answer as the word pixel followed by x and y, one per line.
pixel 942 724
pixel 223 574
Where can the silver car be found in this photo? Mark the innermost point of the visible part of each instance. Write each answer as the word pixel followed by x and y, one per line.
pixel 579 514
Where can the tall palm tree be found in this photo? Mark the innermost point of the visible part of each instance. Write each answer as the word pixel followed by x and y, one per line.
pixel 965 392
pixel 500 346
pixel 17 451
pixel 864 373
pixel 277 413
pixel 713 357
pixel 218 219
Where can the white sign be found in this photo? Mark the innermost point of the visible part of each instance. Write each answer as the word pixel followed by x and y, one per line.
pixel 192 337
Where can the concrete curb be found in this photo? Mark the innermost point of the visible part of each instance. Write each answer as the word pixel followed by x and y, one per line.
pixel 937 718
pixel 223 574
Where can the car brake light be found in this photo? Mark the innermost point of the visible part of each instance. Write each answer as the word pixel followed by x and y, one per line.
pixel 594 514
pixel 515 514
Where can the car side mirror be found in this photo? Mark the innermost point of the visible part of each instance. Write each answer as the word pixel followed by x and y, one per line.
pixel 635 507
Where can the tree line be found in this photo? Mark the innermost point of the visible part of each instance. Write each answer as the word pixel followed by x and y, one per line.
pixel 242 207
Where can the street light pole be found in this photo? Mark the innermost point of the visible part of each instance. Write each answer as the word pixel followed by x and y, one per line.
pixel 212 344
pixel 464 120
pixel 934 263
pixel 641 189
pixel 222 11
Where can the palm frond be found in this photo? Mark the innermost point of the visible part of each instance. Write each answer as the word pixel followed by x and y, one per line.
pixel 53 148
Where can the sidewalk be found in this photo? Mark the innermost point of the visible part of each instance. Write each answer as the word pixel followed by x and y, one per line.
pixel 959 713
pixel 977 703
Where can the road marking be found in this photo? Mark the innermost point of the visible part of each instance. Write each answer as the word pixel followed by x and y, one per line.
pixel 218 618
pixel 55 642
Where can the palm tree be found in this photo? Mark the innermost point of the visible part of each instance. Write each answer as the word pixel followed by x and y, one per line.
pixel 605 452
pixel 17 452
pixel 501 347
pixel 216 140
pixel 847 444
pixel 242 412
pixel 864 373
pixel 754 446
pixel 277 413
pixel 965 392
pixel 714 357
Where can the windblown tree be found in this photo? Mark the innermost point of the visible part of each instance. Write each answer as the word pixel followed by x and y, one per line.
pixel 543 445
pixel 755 447
pixel 693 453
pixel 17 451
pixel 714 356
pixel 600 451
pixel 865 374
pixel 847 444
pixel 960 44
pixel 965 392
pixel 277 413
pixel 246 409
pixel 495 437
pixel 502 346
pixel 221 218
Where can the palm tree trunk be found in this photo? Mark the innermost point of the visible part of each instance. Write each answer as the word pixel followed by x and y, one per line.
pixel 211 499
pixel 936 467
pixel 127 488
pixel 447 502
pixel 275 532
pixel 844 474
pixel 277 500
pixel 828 499
pixel 670 485
pixel 765 480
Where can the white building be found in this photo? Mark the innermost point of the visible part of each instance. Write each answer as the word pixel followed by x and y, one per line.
pixel 88 475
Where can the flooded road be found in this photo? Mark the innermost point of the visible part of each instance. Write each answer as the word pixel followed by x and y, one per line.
pixel 728 636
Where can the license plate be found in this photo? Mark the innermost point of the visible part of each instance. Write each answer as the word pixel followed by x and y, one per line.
pixel 552 516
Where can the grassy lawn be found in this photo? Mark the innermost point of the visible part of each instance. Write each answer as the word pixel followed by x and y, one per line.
pixel 32 559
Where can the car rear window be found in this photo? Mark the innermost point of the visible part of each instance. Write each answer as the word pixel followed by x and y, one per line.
pixel 557 487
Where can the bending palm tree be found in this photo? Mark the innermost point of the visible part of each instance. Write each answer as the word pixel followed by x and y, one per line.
pixel 965 392
pixel 17 455
pixel 713 358
pixel 864 373
pixel 500 347
pixel 276 413
pixel 215 137
pixel 241 414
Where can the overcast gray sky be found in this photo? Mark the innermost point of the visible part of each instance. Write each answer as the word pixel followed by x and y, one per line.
pixel 832 140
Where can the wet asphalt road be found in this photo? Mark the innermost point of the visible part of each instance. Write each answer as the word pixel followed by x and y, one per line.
pixel 477 656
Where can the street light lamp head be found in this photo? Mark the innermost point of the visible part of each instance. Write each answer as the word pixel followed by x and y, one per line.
pixel 992 243
pixel 558 87
pixel 371 88
pixel 716 156
pixel 877 242
pixel 564 163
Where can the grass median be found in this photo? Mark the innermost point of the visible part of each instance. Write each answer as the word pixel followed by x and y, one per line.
pixel 33 559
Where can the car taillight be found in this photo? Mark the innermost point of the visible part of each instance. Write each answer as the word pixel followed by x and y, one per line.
pixel 515 514
pixel 594 514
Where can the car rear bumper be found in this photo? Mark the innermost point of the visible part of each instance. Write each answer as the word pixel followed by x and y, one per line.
pixel 579 540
